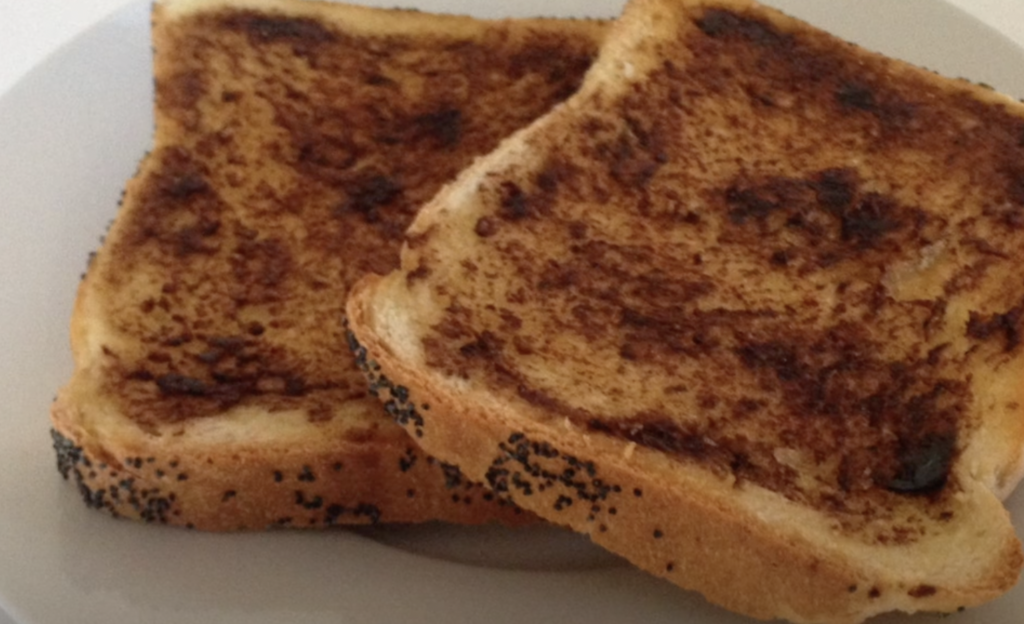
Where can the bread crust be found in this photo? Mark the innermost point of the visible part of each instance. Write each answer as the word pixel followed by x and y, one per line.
pixel 294 140
pixel 687 529
pixel 661 300
pixel 310 480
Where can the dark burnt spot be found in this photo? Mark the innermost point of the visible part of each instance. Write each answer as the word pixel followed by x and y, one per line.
pixel 443 127
pixel 295 386
pixel 578 230
pixel 634 157
pixel 367 194
pixel 263 266
pixel 263 29
pixel 185 186
pixel 227 344
pixel 421 272
pixel 748 203
pixel 922 591
pixel 838 383
pixel 721 23
pixel 1006 326
pixel 487 346
pixel 828 208
pixel 196 239
pixel 869 221
pixel 835 189
pixel 486 227
pixel 924 464
pixel 893 112
pixel 777 356
pixel 1015 184
pixel 549 178
pixel 514 202
pixel 856 96
pixel 874 592
pixel 174 384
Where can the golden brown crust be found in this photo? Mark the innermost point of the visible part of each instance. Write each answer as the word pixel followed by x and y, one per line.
pixel 759 271
pixel 294 142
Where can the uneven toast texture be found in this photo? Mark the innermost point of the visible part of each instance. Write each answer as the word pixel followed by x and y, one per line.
pixel 294 141
pixel 746 310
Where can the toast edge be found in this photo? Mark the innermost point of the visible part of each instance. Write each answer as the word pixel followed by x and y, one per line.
pixel 153 479
pixel 683 538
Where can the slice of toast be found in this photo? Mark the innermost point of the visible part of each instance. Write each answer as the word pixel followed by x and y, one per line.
pixel 746 310
pixel 213 387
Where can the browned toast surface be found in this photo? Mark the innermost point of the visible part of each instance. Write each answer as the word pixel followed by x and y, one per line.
pixel 753 287
pixel 294 143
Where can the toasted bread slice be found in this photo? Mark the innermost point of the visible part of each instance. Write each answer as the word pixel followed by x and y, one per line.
pixel 213 387
pixel 746 309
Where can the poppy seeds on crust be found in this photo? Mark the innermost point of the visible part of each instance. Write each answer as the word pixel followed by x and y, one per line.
pixel 105 486
pixel 402 408
pixel 123 498
pixel 522 466
pixel 398 406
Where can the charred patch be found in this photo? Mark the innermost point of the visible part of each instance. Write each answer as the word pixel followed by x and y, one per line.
pixel 924 464
pixel 487 346
pixel 263 29
pixel 486 227
pixel 1006 326
pixel 923 591
pixel 895 425
pixel 368 194
pixel 444 127
pixel 1015 184
pixel 173 384
pixel 856 96
pixel 514 203
pixel 835 189
pixel 185 185
pixel 827 207
pixel 867 222
pixel 753 203
pixel 263 267
pixel 634 157
pixel 720 24
pixel 779 357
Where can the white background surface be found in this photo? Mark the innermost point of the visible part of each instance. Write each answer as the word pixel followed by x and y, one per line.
pixel 30 30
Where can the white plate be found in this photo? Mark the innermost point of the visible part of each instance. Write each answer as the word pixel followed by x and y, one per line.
pixel 71 133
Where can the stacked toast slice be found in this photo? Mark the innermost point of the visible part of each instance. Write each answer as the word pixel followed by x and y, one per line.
pixel 213 387
pixel 746 310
